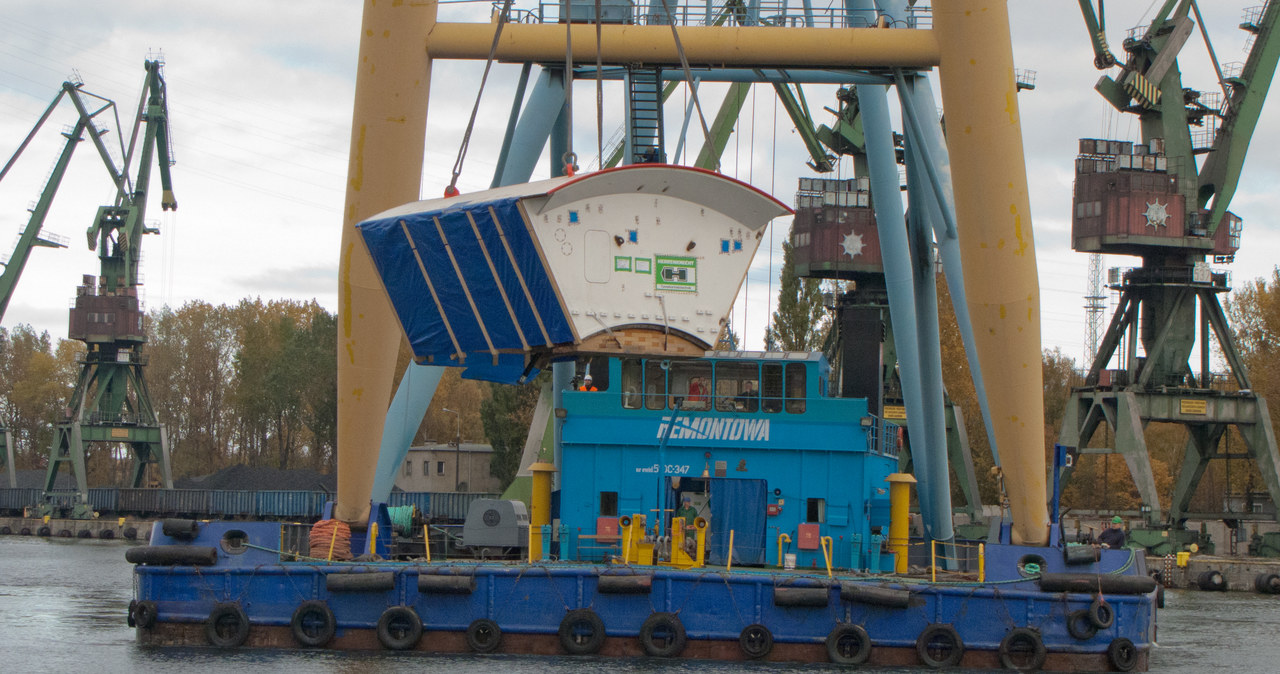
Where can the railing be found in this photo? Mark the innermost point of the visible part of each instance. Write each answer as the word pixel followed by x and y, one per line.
pixel 701 14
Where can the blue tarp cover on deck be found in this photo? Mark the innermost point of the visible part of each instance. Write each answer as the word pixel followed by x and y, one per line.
pixel 427 320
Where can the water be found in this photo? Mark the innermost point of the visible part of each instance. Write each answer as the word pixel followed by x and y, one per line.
pixel 63 603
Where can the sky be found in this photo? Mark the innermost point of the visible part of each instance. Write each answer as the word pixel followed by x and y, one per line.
pixel 260 100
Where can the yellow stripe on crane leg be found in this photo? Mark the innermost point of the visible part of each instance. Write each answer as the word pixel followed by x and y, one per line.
pixel 993 214
pixel 388 129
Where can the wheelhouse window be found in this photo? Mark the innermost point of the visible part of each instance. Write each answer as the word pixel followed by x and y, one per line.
pixel 737 387
pixel 655 385
pixel 691 380
pixel 795 388
pixel 771 389
pixel 632 383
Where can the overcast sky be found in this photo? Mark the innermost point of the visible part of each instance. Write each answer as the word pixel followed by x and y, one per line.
pixel 260 99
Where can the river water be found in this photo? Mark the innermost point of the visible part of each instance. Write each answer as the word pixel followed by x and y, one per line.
pixel 63 603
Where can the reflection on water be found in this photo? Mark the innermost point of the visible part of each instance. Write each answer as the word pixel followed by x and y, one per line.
pixel 63 603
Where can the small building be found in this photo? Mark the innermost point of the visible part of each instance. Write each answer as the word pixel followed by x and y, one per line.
pixel 446 467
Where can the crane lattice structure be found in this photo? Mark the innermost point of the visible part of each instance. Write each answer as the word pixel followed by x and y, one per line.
pixel 1153 199
pixel 111 403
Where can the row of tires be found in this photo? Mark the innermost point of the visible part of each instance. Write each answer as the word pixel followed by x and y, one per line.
pixel 582 632
pixel 226 503
pixel 1212 580
pixel 46 531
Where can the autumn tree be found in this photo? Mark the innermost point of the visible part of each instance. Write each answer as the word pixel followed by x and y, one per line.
pixel 801 322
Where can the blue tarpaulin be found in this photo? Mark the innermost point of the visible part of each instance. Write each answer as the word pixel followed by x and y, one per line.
pixel 737 505
pixel 469 287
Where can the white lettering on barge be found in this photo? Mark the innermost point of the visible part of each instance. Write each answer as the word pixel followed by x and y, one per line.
pixel 712 428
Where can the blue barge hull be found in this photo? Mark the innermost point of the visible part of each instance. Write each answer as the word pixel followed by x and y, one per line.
pixel 565 607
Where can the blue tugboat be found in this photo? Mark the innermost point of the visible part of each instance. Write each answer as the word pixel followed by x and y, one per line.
pixel 694 503
pixel 721 506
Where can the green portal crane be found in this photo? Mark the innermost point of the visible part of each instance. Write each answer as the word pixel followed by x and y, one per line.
pixel 1154 199
pixel 111 402
pixel 32 235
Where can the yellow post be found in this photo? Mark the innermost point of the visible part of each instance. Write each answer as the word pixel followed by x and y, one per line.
pixel 899 518
pixel 782 538
pixel 373 538
pixel 120 522
pixel 332 541
pixel 729 562
pixel 46 519
pixel 827 545
pixel 388 135
pixel 993 217
pixel 426 541
pixel 982 563
pixel 933 560
pixel 539 507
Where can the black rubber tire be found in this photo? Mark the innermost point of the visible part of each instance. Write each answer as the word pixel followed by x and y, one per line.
pixel 133 604
pixel 1267 583
pixel 1211 581
pixel 107 534
pixel 227 626
pixel 1080 626
pixel 848 644
pixel 313 624
pixel 24 531
pixel 940 645
pixel 1023 650
pixel 5 531
pixel 484 636
pixel 130 534
pixel 1123 655
pixel 44 531
pixel 1101 613
pixel 662 635
pixel 756 641
pixel 84 533
pixel 581 632
pixel 399 628
pixel 64 533
pixel 142 614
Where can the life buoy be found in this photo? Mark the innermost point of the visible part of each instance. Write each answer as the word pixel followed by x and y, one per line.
pixel 142 614
pixel 939 645
pixel 848 645
pixel 1101 613
pixel 313 624
pixel 1123 654
pixel 227 626
pixel 1022 649
pixel 662 635
pixel 756 641
pixel 581 632
pixel 484 636
pixel 1080 625
pixel 399 628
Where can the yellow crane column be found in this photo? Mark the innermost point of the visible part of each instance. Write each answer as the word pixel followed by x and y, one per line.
pixel 388 130
pixel 899 518
pixel 993 215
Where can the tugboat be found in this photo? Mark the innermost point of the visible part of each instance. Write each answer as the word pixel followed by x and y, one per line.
pixel 717 505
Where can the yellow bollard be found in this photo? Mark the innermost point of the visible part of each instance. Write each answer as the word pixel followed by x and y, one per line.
pixel 982 563
pixel 827 545
pixel 933 561
pixel 120 521
pixel 373 538
pixel 46 519
pixel 539 507
pixel 782 538
pixel 729 562
pixel 899 518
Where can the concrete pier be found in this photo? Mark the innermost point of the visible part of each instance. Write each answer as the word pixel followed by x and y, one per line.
pixel 126 529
